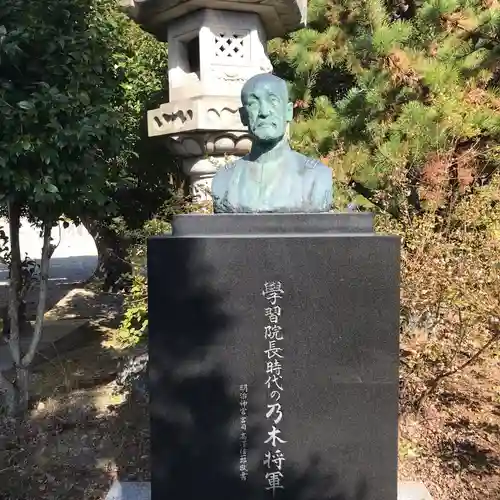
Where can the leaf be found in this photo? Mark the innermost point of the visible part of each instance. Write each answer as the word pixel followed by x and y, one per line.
pixel 26 105
pixel 84 97
pixel 45 157
pixel 52 189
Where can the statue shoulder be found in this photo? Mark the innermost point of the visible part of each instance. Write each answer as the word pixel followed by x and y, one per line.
pixel 321 178
pixel 230 166
pixel 223 176
pixel 224 171
pixel 308 163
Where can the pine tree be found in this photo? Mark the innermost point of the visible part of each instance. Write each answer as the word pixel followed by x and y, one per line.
pixel 402 100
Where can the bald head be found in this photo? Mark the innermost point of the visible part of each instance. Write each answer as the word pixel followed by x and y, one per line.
pixel 266 110
pixel 267 80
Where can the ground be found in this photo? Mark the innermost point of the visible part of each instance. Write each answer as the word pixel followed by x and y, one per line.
pixel 453 446
pixel 80 436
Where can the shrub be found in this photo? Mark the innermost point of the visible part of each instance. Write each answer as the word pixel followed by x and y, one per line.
pixel 135 318
pixel 134 325
pixel 450 298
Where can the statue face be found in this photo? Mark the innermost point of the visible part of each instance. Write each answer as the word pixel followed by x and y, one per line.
pixel 266 110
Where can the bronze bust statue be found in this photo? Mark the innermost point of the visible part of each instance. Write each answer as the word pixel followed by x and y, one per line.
pixel 272 177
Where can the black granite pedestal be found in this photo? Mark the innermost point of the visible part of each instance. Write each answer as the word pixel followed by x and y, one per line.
pixel 274 358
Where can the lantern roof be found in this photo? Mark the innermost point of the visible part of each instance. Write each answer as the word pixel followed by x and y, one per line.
pixel 278 16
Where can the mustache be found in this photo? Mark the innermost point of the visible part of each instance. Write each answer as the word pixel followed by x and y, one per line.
pixel 260 123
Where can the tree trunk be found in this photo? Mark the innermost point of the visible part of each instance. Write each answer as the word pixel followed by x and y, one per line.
pixel 10 395
pixel 13 394
pixel 17 393
pixel 23 390
pixel 111 252
pixel 42 295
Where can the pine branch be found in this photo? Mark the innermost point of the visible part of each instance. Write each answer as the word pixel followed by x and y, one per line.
pixel 369 194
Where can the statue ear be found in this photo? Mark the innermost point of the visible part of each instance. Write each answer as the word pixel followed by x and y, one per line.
pixel 289 112
pixel 244 116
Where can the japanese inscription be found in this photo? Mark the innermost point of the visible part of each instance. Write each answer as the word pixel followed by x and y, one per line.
pixel 243 432
pixel 273 334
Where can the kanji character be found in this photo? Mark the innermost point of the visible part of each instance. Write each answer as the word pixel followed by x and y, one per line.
pixel 272 332
pixel 276 458
pixel 273 313
pixel 273 291
pixel 275 408
pixel 273 437
pixel 273 351
pixel 273 379
pixel 274 481
pixel 274 367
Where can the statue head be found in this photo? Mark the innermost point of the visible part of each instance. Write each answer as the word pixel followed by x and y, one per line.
pixel 266 110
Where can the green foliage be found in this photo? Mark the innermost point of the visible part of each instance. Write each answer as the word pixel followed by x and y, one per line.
pixel 133 327
pixel 135 319
pixel 55 101
pixel 76 80
pixel 74 77
pixel 144 175
pixel 73 82
pixel 410 125
pixel 403 89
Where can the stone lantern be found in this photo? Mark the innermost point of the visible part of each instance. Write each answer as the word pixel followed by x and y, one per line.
pixel 214 46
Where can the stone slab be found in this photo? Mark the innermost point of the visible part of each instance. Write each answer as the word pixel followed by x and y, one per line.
pixel 407 490
pixel 173 117
pixel 326 223
pixel 338 384
pixel 413 490
pixel 129 491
